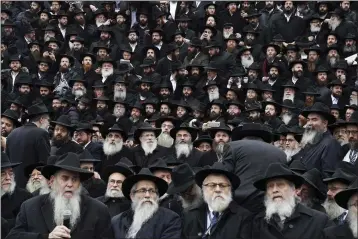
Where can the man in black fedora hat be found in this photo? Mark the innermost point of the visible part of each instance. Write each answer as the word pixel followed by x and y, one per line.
pixel 339 24
pixel 165 63
pixel 283 215
pixel 37 184
pixel 319 148
pixel 243 158
pixel 225 60
pixel 220 216
pixel 12 196
pixel 84 132
pixel 347 199
pixel 114 175
pixel 62 134
pixel 144 190
pixel 147 151
pixel 114 148
pixel 9 122
pixel 65 212
pixel 30 143
pixel 351 127
pixel 343 176
pixel 64 74
pixel 195 54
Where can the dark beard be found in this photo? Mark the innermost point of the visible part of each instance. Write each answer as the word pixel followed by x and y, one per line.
pixel 36 55
pixel 296 74
pixel 214 115
pixel 144 93
pixel 59 142
pixel 287 11
pixel 321 13
pixel 102 112
pixel 43 24
pixel 191 55
pixel 63 70
pixel 164 97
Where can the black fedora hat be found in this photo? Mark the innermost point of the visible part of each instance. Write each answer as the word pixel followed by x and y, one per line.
pixel 297 166
pixel 343 196
pixel 84 126
pixel 311 91
pixel 108 60
pixel 29 168
pixel 217 102
pixel 5 162
pixel 353 120
pixel 122 167
pixel 69 162
pixel 271 102
pixel 87 157
pixel 185 126
pixel 154 48
pixel 93 57
pixel 252 129
pixel 321 68
pixel 321 109
pixel 315 48
pixel 159 164
pixel 63 120
pixel 217 168
pixel 162 119
pixel 341 64
pixel 313 177
pixel 280 131
pixel 288 104
pixel 101 46
pixel 183 177
pixel 196 42
pixel 23 80
pixel 144 174
pixel 202 139
pixel 147 62
pixel 252 13
pixel 183 18
pixel 336 82
pixel 278 170
pixel 295 62
pixel 345 172
pixel 116 128
pixel 223 127
pixel 37 109
pixel 145 127
pixel 184 104
pixel 70 58
pixel 13 116
pixel 276 47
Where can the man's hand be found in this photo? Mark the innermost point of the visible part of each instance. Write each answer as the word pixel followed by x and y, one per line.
pixel 3 142
pixel 96 175
pixel 60 232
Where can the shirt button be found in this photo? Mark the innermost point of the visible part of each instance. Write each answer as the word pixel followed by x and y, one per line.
pixel 290 226
pixel 200 234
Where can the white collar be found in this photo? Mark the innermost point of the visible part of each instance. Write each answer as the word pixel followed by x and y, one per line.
pixel 87 144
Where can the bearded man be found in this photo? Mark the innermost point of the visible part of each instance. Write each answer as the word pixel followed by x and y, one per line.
pixel 144 190
pixel 246 57
pixel 64 75
pixel 338 24
pixel 342 177
pixel 37 184
pixel 166 124
pixel 347 199
pixel 114 175
pixel 147 152
pixel 61 213
pixel 12 196
pixel 107 68
pixel 350 45
pixel 183 183
pixel 196 56
pixel 298 79
pixel 114 148
pixel 333 56
pixel 352 134
pixel 217 185
pixel 221 136
pixel 282 210
pixel 319 148
pixel 292 147
pixel 183 149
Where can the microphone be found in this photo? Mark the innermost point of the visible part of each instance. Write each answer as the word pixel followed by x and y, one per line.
pixel 66 218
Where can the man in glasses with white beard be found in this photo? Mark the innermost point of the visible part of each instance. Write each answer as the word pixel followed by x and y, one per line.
pixel 146 219
pixel 219 216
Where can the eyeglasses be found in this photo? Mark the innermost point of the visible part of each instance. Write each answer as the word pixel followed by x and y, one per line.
pixel 334 189
pixel 144 191
pixel 213 186
pixel 352 132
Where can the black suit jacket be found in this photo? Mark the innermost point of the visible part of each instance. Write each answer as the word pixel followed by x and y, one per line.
pixel 336 232
pixel 94 222
pixel 95 149
pixel 27 145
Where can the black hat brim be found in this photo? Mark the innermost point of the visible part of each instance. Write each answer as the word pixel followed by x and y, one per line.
pixel 342 198
pixel 202 174
pixel 265 135
pixel 139 131
pixel 132 180
pixel 295 179
pixel 330 118
pixel 49 170
pixel 28 169
pixel 172 189
pixel 192 131
pixel 116 169
pixel 9 165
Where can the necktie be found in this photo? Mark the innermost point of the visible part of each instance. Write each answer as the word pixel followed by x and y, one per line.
pixel 341 218
pixel 353 156
pixel 214 220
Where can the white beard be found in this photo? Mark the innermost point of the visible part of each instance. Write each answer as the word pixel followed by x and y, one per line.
pixel 11 189
pixel 70 44
pixel 149 148
pixel 315 29
pixel 352 219
pixel 218 204
pixel 165 140
pixel 332 209
pixel 353 102
pixel 79 93
pixel 333 25
pixel 286 118
pixel 120 95
pixel 226 35
pixel 284 208
pixel 114 193
pixel 32 186
pixel 118 112
pixel 106 73
pixel 308 137
pixel 61 204
pixel 99 23
pixel 142 213
pixel 288 97
pixel 111 149
pixel 214 95
pixel 247 61
pixel 183 149
pixel 291 152
pixel 332 61
pixel 186 204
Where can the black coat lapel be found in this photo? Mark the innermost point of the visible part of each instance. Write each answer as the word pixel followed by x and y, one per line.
pixel 47 212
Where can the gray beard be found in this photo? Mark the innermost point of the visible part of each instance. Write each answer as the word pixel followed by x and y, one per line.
pixel 286 118
pixel 214 95
pixel 183 149
pixel 310 137
pixel 106 73
pixel 352 222
pixel 288 97
pixel 147 148
pixel 291 152
pixel 246 61
pixel 284 209
pixel 352 49
pixel 119 95
pixel 33 186
pixel 79 93
pixel 165 140
pixel 111 193
pixel 332 209
pixel 111 149
pixel 315 29
pixel 333 25
pixel 198 199
pixel 11 189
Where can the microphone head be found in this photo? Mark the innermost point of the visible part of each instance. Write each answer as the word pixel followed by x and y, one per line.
pixel 67 214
